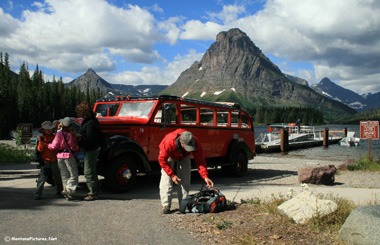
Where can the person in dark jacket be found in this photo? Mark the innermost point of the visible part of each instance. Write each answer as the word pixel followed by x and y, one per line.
pixel 89 140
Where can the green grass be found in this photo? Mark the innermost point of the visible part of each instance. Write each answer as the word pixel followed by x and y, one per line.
pixel 330 222
pixel 319 227
pixel 333 222
pixel 365 163
pixel 10 154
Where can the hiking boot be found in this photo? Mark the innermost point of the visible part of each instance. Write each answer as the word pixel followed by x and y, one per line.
pixel 67 194
pixel 166 210
pixel 91 197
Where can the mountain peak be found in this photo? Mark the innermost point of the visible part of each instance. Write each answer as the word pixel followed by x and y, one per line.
pixel 338 93
pixel 234 48
pixel 326 81
pixel 90 71
pixel 232 62
pixel 92 81
pixel 235 69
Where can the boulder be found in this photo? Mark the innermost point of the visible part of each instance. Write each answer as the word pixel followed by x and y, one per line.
pixel 362 226
pixel 318 176
pixel 304 206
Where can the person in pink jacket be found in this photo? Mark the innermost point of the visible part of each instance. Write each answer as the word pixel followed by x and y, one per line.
pixel 65 145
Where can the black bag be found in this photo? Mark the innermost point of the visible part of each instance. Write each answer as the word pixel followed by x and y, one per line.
pixel 209 200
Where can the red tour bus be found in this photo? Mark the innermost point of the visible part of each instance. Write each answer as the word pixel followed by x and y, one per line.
pixel 133 127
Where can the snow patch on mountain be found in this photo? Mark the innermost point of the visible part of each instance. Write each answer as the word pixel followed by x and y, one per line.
pixel 219 92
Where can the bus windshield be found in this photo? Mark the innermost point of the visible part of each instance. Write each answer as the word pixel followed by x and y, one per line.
pixel 136 109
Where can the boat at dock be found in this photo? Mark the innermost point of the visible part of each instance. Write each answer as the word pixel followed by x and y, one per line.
pixel 350 140
pixel 298 137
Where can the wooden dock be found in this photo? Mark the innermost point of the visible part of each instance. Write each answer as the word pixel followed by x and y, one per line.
pixel 321 138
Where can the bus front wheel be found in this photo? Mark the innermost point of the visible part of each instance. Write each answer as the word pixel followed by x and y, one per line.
pixel 121 174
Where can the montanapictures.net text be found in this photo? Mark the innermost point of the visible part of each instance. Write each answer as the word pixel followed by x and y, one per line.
pixel 34 239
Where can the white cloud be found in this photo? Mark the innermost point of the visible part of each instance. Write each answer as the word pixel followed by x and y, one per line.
pixel 196 30
pixel 170 28
pixel 228 14
pixel 340 39
pixel 7 24
pixel 157 8
pixel 63 29
pixel 155 75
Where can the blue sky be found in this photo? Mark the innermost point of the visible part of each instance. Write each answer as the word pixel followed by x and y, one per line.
pixel 152 42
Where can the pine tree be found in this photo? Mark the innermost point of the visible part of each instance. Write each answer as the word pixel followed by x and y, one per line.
pixel 24 97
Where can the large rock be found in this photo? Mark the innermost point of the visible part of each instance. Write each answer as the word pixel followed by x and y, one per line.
pixel 362 226
pixel 318 176
pixel 305 206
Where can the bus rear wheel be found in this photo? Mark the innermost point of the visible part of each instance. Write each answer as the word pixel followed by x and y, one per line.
pixel 239 166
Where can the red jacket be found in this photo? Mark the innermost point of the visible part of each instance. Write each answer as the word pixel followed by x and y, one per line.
pixel 42 146
pixel 168 148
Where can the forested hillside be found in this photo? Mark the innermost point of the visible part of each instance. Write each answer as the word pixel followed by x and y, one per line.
pixel 30 99
pixel 370 115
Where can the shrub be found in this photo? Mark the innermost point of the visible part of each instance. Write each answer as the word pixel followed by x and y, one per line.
pixel 10 154
pixel 366 163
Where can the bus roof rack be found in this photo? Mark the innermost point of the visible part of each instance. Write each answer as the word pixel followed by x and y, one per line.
pixel 168 97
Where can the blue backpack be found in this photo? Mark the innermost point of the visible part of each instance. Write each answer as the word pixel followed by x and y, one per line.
pixel 208 200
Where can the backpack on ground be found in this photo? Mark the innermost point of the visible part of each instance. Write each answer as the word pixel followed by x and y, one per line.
pixel 208 200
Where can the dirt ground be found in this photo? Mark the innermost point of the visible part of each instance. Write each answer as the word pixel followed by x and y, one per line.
pixel 245 223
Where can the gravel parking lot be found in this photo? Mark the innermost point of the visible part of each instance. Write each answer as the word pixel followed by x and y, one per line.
pixel 134 217
pixel 265 165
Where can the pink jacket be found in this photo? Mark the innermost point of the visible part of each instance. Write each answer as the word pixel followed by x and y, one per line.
pixel 60 145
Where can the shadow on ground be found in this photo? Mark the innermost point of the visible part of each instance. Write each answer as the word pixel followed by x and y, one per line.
pixel 146 188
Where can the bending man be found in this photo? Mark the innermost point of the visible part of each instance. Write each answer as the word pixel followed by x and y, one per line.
pixel 174 159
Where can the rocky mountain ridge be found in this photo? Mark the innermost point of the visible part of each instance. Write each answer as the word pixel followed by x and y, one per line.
pixel 346 96
pixel 234 68
pixel 92 81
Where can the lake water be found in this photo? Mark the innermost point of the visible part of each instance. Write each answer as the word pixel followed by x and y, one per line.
pixel 334 151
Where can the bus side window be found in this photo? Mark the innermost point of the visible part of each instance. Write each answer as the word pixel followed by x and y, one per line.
pixel 235 119
pixel 222 118
pixel 158 116
pixel 245 121
pixel 207 116
pixel 169 115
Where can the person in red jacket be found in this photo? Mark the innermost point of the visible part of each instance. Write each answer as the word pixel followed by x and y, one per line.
pixel 49 165
pixel 174 159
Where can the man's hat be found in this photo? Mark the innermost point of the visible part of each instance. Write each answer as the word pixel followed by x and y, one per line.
pixel 187 141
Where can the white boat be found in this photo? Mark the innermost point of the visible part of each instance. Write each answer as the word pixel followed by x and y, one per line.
pixel 350 140
pixel 299 137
